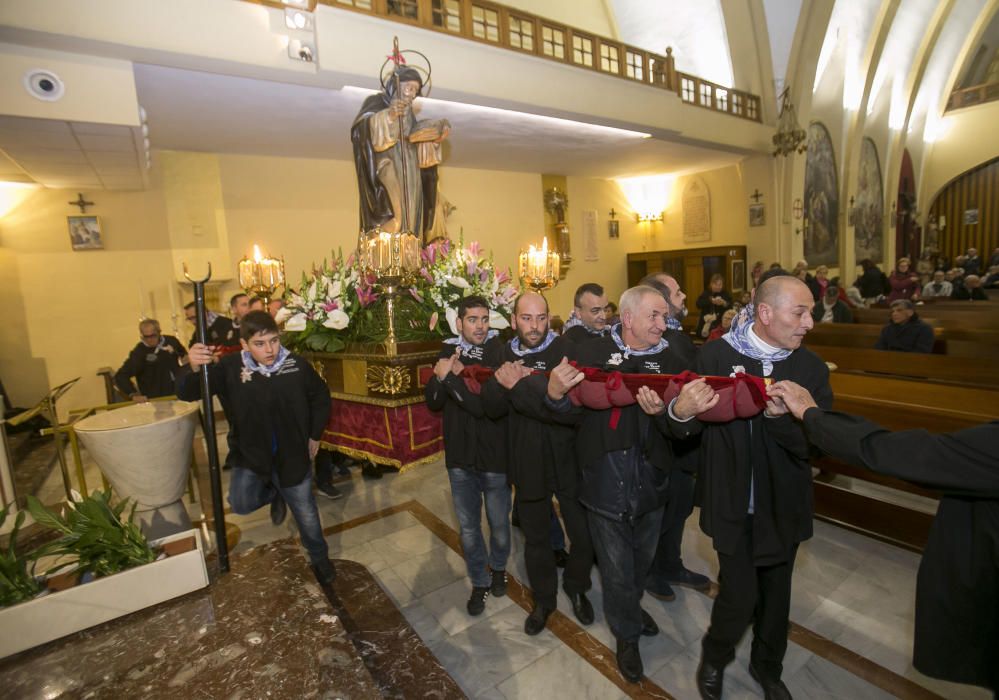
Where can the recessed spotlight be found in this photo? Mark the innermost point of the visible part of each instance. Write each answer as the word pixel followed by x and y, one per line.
pixel 297 19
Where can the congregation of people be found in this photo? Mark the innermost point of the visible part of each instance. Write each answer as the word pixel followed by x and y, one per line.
pixel 605 489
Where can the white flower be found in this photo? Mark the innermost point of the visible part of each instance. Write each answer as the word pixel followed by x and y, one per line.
pixel 311 294
pixel 333 289
pixel 283 314
pixel 296 323
pixel 337 319
pixel 452 317
pixel 497 320
pixel 459 282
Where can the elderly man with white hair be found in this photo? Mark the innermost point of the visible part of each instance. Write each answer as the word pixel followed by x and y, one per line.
pixel 625 458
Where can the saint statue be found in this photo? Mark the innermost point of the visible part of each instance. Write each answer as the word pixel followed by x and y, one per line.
pixel 397 157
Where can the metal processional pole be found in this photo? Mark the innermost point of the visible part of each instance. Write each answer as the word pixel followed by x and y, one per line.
pixel 207 408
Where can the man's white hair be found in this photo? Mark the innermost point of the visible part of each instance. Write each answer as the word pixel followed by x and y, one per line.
pixel 633 297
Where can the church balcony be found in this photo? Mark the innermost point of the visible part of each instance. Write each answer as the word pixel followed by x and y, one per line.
pixel 512 29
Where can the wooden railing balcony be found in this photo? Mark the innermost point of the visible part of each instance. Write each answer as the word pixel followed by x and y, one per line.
pixel 498 25
pixel 974 95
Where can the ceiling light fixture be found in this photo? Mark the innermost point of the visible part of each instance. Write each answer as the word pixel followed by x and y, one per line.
pixel 790 137
pixel 297 19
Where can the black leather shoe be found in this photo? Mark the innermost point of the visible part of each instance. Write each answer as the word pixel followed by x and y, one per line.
pixel 772 689
pixel 629 661
pixel 279 510
pixel 649 626
pixel 660 590
pixel 581 607
pixel 561 558
pixel 709 681
pixel 537 620
pixel 688 579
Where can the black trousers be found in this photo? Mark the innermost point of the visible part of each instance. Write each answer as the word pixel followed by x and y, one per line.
pixel 624 555
pixel 760 595
pixel 535 522
pixel 680 493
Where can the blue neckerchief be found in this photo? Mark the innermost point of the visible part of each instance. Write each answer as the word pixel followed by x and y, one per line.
pixel 250 365
pixel 515 345
pixel 465 345
pixel 738 338
pixel 628 352
pixel 674 324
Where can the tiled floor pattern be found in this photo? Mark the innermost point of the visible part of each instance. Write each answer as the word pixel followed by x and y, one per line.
pixel 852 607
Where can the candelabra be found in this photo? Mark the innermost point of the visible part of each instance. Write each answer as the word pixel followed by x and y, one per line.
pixel 262 275
pixel 394 259
pixel 538 267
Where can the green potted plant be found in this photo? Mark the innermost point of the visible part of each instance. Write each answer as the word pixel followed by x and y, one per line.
pixel 116 571
pixel 17 580
pixel 93 536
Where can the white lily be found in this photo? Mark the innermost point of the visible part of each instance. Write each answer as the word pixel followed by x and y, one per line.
pixel 497 320
pixel 452 317
pixel 283 314
pixel 337 319
pixel 296 323
pixel 459 282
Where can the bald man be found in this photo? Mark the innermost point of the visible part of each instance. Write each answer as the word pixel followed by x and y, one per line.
pixel 541 461
pixel 755 486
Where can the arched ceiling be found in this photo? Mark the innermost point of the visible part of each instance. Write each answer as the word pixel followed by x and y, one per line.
pixel 695 30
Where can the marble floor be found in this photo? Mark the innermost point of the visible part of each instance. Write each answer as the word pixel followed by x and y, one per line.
pixel 852 607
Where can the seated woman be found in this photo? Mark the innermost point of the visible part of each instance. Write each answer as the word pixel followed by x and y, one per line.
pixel 713 302
pixel 904 282
pixel 726 323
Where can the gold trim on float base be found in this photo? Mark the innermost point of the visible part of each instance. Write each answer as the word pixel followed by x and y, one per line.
pixel 355 377
pixel 378 459
pixel 375 401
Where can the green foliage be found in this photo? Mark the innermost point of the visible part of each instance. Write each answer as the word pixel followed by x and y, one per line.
pixel 17 582
pixel 94 535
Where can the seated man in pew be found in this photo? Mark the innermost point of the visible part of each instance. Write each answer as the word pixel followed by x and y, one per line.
pixel 971 290
pixel 957 610
pixel 832 309
pixel 905 332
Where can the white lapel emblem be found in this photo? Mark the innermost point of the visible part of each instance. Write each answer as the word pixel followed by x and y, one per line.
pixel 615 359
pixel 245 375
pixel 737 369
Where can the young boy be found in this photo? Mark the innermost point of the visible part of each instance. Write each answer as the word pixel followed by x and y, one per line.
pixel 474 453
pixel 278 408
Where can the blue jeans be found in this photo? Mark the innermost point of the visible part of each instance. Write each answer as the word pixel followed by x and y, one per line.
pixel 468 490
pixel 624 555
pixel 248 492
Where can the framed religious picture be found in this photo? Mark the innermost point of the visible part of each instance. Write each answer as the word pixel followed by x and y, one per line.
pixel 614 229
pixel 739 274
pixel 85 233
pixel 970 217
pixel 756 217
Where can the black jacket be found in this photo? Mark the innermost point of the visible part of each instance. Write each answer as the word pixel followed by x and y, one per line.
pixel 540 453
pixel 872 283
pixel 472 440
pixel 221 332
pixel 912 336
pixel 957 606
pixel 155 369
pixel 581 334
pixel 271 418
pixel 706 307
pixel 841 312
pixel 773 452
pixel 625 468
pixel 965 294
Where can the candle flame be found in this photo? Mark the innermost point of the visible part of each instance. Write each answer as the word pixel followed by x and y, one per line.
pixel 257 257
